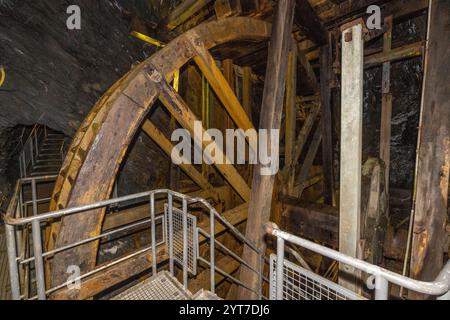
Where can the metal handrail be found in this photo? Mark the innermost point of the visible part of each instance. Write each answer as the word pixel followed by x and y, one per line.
pixel 382 277
pixel 12 222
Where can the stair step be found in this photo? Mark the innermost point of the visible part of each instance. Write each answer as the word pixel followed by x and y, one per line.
pixel 46 166
pixel 45 173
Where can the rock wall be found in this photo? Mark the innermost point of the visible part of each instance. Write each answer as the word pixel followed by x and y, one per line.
pixel 55 75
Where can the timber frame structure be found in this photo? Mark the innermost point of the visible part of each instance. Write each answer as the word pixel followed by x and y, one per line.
pixel 351 212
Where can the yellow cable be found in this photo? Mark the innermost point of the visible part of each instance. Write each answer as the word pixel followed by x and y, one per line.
pixel 147 39
pixel 2 75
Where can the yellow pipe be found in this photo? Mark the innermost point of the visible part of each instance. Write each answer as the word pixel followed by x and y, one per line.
pixel 2 75
pixel 147 39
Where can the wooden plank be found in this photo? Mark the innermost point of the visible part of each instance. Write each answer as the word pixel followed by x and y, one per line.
pixel 316 222
pixel 429 236
pixel 247 84
pixel 178 108
pixel 351 148
pixel 386 104
pixel 291 112
pixel 167 146
pixel 271 110
pixel 222 87
pixel 327 123
pixel 309 23
pixel 405 52
pixel 184 11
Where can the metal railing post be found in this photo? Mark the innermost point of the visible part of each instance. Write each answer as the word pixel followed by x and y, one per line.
pixel 170 238
pixel 38 260
pixel 185 245
pixel 153 224
pixel 212 251
pixel 280 268
pixel 12 261
pixel 260 276
pixel 34 197
pixel 381 288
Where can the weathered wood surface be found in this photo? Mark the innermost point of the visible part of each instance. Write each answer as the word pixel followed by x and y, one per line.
pixel 89 170
pixel 430 235
pixel 309 23
pixel 271 110
pixel 327 123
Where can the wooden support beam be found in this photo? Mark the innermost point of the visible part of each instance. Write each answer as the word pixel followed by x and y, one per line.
pixel 311 76
pixel 309 160
pixel 160 139
pixel 316 222
pixel 291 112
pixel 221 86
pixel 401 53
pixel 247 84
pixel 429 236
pixel 178 108
pixel 309 23
pixel 271 110
pixel 351 148
pixel 184 11
pixel 300 142
pixel 327 123
pixel 386 104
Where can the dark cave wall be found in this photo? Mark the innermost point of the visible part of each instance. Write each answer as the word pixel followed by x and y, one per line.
pixel 406 87
pixel 54 75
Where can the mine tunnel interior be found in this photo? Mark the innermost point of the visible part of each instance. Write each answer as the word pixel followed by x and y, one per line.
pixel 93 112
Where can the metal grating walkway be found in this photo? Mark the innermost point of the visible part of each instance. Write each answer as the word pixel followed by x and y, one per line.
pixel 5 293
pixel 162 286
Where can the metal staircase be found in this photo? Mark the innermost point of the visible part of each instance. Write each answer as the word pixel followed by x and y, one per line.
pixel 42 153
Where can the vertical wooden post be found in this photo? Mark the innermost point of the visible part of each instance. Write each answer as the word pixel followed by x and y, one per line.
pixel 228 72
pixel 291 114
pixel 271 109
pixel 247 90
pixel 351 144
pixel 327 124
pixel 429 236
pixel 386 103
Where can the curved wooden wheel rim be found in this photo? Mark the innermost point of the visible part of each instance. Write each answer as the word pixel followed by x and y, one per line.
pixel 101 142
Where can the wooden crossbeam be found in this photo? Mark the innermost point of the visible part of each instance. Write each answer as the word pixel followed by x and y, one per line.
pixel 167 146
pixel 221 87
pixel 178 108
pixel 401 53
pixel 309 22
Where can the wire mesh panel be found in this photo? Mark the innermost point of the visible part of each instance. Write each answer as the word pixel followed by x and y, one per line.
pixel 302 284
pixel 177 238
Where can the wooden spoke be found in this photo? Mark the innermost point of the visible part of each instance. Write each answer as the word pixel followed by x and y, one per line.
pixel 165 144
pixel 221 87
pixel 178 108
